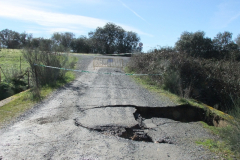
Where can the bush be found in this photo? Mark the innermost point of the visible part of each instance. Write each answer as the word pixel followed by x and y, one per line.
pixel 171 81
pixel 44 75
pixel 208 80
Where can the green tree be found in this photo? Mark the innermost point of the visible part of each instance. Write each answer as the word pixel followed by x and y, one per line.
pixel 237 40
pixel 81 45
pixel 46 45
pixel 128 42
pixel 112 38
pixel 35 42
pixel 62 41
pixel 25 39
pixel 10 39
pixel 195 44
pixel 224 44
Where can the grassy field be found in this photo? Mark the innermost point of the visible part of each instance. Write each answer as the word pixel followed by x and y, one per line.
pixel 10 59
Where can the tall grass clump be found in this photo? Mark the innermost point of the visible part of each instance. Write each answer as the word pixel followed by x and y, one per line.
pixel 42 76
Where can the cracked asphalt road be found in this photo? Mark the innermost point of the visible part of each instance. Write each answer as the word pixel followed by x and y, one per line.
pixel 67 124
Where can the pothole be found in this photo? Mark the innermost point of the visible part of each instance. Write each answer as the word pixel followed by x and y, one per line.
pixel 106 120
pixel 136 134
pixel 46 120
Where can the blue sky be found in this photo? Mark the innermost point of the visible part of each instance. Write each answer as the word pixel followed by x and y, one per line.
pixel 157 22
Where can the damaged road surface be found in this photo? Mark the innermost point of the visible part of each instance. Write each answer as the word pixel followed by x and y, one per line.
pixel 105 117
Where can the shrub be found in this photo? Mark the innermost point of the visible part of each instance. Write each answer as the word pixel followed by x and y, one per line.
pixel 208 80
pixel 44 75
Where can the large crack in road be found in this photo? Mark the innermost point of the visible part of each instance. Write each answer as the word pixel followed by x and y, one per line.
pixel 123 124
pixel 105 117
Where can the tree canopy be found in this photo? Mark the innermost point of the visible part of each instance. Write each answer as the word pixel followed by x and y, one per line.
pixel 14 40
pixel 107 39
pixel 112 38
pixel 197 45
pixel 237 40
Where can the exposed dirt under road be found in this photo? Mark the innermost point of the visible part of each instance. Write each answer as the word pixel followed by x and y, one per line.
pixel 98 117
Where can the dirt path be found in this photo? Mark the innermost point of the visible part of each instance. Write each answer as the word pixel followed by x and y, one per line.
pixel 97 117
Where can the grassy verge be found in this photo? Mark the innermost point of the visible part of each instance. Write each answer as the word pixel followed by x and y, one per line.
pixel 24 100
pixel 221 146
pixel 218 147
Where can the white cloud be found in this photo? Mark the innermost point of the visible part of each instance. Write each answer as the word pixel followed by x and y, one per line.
pixel 48 18
pixel 52 21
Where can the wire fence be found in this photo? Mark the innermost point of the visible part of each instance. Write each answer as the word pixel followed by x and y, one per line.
pixel 17 62
pixel 12 64
pixel 22 75
pixel 106 73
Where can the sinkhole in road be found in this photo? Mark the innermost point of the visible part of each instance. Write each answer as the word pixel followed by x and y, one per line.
pixel 139 132
pixel 135 133
pixel 182 113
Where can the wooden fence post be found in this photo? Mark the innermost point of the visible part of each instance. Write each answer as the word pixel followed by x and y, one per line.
pixel 28 79
pixel 35 68
pixel 20 65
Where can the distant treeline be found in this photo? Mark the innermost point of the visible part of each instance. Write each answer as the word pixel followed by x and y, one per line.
pixel 196 44
pixel 108 39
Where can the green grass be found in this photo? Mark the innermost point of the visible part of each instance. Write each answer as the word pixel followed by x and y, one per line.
pixel 10 58
pixel 218 147
pixel 214 130
pixel 24 100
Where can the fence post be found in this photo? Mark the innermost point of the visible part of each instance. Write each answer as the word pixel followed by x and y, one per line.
pixel 28 79
pixel 20 65
pixel 122 65
pixel 0 76
pixel 4 75
pixel 35 68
